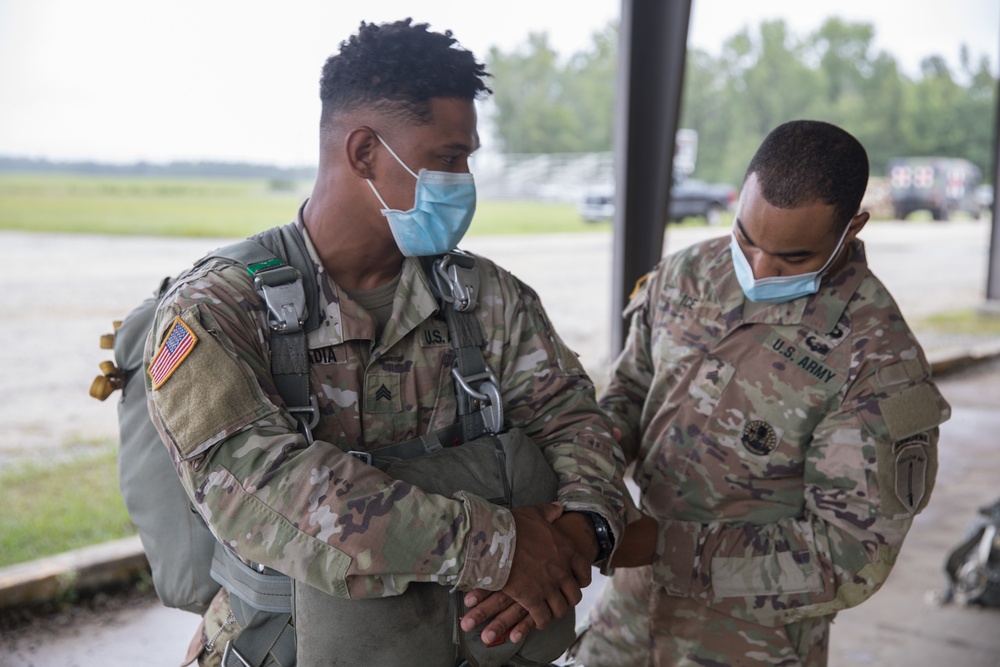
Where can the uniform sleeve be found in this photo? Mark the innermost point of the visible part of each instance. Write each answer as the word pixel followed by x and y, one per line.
pixel 631 373
pixel 869 470
pixel 549 396
pixel 312 512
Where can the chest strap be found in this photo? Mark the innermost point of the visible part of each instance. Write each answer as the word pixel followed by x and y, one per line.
pixel 477 390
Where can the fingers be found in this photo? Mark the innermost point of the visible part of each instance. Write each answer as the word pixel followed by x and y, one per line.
pixel 551 511
pixel 475 596
pixel 483 606
pixel 548 568
pixel 582 572
pixel 513 622
pixel 522 629
pixel 540 611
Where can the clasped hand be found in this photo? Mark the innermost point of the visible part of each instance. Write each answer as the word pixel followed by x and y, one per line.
pixel 552 559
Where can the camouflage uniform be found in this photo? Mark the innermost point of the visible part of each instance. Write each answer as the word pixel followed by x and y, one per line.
pixel 783 450
pixel 329 519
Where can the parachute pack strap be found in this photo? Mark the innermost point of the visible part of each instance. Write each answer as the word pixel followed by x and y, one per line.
pixel 477 390
pixel 382 457
pixel 286 280
pixel 266 638
pixel 268 590
pixel 262 605
pixel 298 256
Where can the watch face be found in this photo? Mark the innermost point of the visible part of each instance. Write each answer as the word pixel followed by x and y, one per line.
pixel 603 533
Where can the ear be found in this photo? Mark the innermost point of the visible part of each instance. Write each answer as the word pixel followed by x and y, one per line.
pixel 855 225
pixel 359 146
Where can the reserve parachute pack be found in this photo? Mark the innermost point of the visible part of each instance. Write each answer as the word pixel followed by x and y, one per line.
pixel 178 544
pixel 189 565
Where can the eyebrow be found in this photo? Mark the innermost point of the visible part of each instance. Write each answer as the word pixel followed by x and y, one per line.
pixel 794 254
pixel 462 146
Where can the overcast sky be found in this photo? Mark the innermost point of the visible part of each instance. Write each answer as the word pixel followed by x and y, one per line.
pixel 124 80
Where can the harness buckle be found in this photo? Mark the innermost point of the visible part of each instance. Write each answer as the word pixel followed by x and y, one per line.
pixel 284 297
pixel 230 651
pixel 458 285
pixel 488 396
pixel 362 456
pixel 307 416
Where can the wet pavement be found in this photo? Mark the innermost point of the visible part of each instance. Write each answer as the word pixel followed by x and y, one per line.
pixel 902 624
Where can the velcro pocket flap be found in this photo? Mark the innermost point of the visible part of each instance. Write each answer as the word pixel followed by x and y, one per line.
pixel 209 396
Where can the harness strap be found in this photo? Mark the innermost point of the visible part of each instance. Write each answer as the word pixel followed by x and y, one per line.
pixel 265 638
pixel 262 606
pixel 283 276
pixel 383 457
pixel 268 590
pixel 477 391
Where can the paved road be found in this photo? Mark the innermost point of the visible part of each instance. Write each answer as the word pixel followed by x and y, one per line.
pixel 59 293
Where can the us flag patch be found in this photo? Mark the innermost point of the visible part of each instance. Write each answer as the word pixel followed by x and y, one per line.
pixel 172 352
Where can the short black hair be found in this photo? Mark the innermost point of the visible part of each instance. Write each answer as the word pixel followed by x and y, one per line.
pixel 802 162
pixel 398 68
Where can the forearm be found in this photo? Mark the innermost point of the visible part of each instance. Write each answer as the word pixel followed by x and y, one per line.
pixel 293 509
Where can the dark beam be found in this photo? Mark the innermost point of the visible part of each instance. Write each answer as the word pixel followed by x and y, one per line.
pixel 652 48
pixel 993 268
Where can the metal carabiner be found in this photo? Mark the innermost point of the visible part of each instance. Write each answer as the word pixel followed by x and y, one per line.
pixel 230 651
pixel 286 305
pixel 300 414
pixel 462 284
pixel 488 395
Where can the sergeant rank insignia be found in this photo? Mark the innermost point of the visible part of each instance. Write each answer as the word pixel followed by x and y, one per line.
pixel 173 350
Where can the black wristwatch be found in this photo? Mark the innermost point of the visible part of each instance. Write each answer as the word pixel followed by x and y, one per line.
pixel 605 540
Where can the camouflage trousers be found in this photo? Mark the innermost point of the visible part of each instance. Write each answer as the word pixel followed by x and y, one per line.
pixel 217 627
pixel 634 626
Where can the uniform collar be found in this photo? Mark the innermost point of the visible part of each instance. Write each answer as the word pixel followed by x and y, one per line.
pixel 343 319
pixel 819 312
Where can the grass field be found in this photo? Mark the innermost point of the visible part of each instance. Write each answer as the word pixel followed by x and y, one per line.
pixel 137 205
pixel 52 508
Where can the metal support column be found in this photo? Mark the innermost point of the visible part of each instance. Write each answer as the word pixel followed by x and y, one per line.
pixel 652 50
pixel 992 304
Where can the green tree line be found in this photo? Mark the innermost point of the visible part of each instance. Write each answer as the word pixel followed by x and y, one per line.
pixel 762 77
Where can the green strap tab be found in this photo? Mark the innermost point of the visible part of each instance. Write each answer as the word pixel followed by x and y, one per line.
pixel 260 266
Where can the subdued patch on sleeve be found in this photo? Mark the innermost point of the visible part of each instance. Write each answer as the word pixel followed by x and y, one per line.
pixel 209 397
pixel 906 473
pixel 900 372
pixel 911 411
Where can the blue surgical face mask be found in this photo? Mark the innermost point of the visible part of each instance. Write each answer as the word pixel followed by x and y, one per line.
pixel 777 289
pixel 442 211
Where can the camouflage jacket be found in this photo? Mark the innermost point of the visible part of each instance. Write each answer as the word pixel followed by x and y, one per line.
pixel 327 518
pixel 783 448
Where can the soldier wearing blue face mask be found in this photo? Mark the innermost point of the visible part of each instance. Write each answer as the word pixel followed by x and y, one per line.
pixel 403 358
pixel 782 422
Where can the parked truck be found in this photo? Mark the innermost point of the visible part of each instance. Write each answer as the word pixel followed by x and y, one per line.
pixel 941 185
